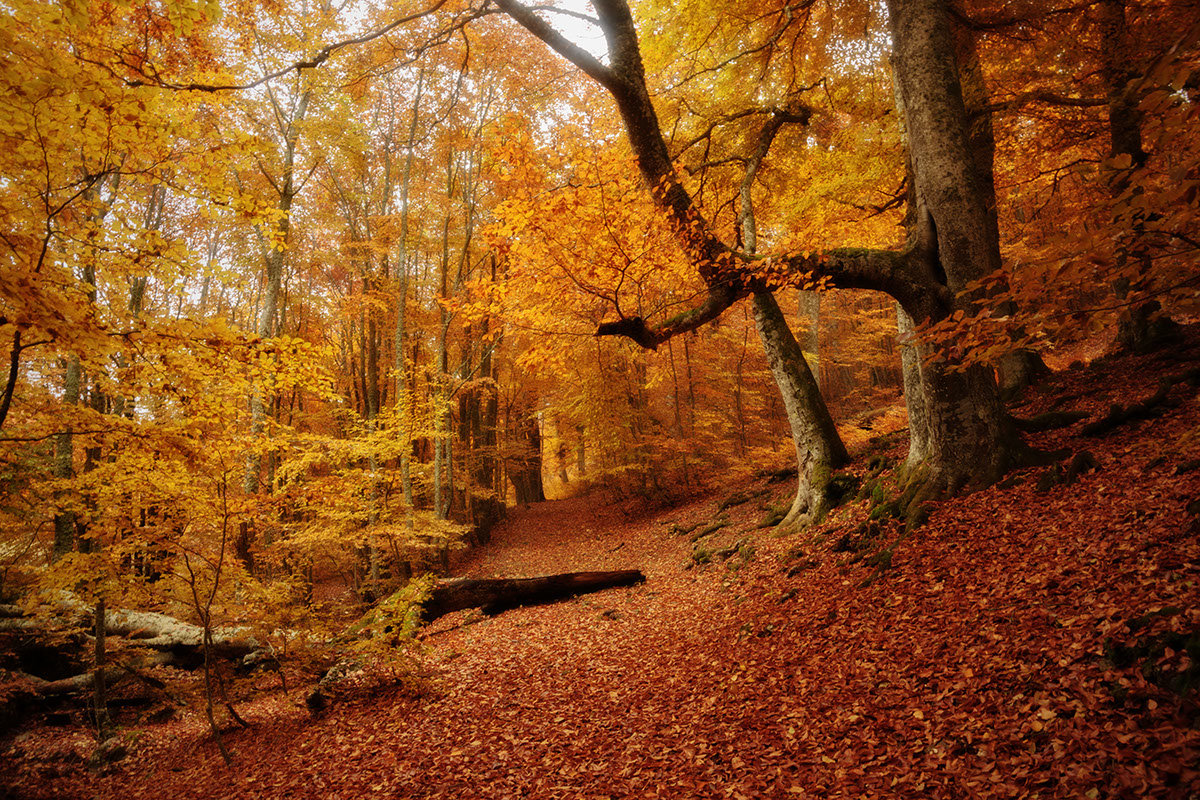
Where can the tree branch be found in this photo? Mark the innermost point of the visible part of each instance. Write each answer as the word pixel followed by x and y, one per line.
pixel 889 271
pixel 14 367
pixel 530 21
pixel 1043 96
pixel 152 78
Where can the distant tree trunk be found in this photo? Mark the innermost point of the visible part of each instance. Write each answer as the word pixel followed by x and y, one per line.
pixel 810 309
pixel 273 263
pixel 64 460
pixel 489 505
pixel 441 449
pixel 403 398
pixel 525 467
pixel 1141 327
pixel 66 523
pixel 739 407
pixel 581 452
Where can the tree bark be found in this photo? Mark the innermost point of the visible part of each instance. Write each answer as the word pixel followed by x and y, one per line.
pixel 525 467
pixel 273 256
pixel 64 459
pixel 914 394
pixel 969 441
pixel 810 308
pixel 403 400
pixel 819 449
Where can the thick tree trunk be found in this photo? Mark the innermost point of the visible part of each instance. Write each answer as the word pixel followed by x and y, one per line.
pixel 495 595
pixel 819 449
pixel 969 441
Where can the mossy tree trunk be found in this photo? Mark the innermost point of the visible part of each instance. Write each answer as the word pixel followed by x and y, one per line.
pixel 819 449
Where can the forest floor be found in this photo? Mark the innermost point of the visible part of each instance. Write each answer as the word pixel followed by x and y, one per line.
pixel 1029 640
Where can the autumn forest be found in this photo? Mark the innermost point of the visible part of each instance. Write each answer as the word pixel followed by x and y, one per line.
pixel 626 398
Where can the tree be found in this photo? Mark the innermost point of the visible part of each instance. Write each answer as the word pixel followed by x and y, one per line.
pixel 1091 111
pixel 970 441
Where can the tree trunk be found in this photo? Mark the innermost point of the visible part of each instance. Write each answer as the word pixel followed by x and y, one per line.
pixel 581 452
pixel 525 468
pixel 819 449
pixel 495 595
pixel 914 394
pixel 489 505
pixel 403 400
pixel 273 263
pixel 64 460
pixel 969 440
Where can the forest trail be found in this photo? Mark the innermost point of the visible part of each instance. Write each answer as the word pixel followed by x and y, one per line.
pixel 1022 643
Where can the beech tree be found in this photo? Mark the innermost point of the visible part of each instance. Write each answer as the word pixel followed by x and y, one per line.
pixel 949 245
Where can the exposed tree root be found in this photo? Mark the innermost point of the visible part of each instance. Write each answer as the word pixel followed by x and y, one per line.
pixel 824 491
pixel 1049 421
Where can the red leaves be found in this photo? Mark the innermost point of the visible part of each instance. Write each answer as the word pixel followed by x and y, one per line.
pixel 986 664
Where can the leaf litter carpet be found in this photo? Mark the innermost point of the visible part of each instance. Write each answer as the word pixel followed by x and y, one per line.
pixel 1023 643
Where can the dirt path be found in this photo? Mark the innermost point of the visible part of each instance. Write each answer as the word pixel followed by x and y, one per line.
pixel 552 701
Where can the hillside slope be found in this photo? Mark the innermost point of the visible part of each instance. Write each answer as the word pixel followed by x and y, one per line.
pixel 1027 641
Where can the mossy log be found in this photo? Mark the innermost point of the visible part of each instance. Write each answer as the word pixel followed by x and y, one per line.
pixel 495 595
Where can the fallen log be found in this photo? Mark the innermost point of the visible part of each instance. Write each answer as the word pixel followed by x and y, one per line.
pixel 146 629
pixel 22 693
pixel 495 595
pixel 162 632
